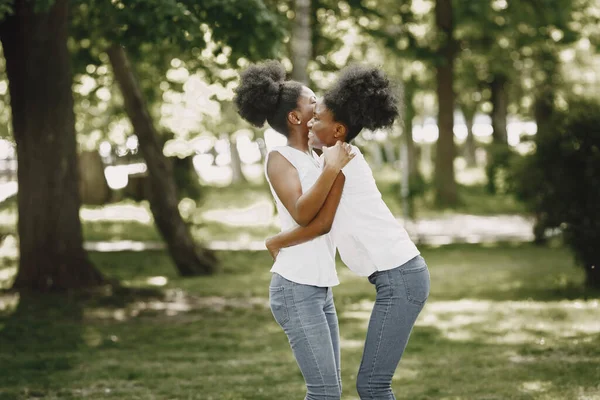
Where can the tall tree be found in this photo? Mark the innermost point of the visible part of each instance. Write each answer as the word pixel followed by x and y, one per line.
pixel 499 92
pixel 149 24
pixel 301 41
pixel 34 39
pixel 413 32
pixel 445 182
pixel 189 258
pixel 469 97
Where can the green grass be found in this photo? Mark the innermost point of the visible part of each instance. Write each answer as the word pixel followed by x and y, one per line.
pixel 502 322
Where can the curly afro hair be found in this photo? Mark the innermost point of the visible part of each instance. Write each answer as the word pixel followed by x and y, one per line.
pixel 265 95
pixel 362 97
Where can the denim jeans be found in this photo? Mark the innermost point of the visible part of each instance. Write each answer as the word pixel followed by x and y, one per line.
pixel 401 295
pixel 308 318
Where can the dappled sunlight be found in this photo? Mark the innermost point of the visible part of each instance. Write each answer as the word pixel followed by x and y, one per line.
pixel 469 176
pixel 92 337
pixel 535 386
pixel 117 212
pixel 508 322
pixel 157 281
pixel 587 394
pixel 8 189
pixel 170 307
pixel 351 343
pixel 7 275
pixel 9 302
pixel 9 247
pixel 175 302
pixel 471 229
pixel 260 213
pixel 244 242
pixel 123 245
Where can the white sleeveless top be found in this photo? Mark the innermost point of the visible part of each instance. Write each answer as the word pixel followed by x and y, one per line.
pixel 313 262
pixel 366 233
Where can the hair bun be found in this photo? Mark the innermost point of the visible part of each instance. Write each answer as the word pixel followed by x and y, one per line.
pixel 258 93
pixel 363 96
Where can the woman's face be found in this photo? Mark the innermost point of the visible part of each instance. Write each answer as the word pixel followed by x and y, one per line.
pixel 306 103
pixel 322 127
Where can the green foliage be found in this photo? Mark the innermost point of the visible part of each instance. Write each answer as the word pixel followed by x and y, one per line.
pixel 561 180
pixel 497 170
pixel 185 26
pixel 6 8
pixel 205 37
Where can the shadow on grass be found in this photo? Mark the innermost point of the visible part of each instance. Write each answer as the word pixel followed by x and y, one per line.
pixel 45 337
pixel 38 340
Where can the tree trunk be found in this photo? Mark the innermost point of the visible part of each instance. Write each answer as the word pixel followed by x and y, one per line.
pixel 390 152
pixel 499 109
pixel 410 113
pixel 39 73
pixel 407 136
pixel 301 41
pixel 445 183
pixel 592 275
pixel 237 175
pixel 470 141
pixel 93 187
pixel 543 108
pixel 189 258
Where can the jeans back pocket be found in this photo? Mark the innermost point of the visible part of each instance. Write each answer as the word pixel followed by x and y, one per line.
pixel 278 305
pixel 416 282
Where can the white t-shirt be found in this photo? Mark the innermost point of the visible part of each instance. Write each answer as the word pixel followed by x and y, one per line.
pixel 313 262
pixel 366 233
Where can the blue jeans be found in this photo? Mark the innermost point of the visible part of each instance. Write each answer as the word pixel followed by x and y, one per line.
pixel 401 295
pixel 308 318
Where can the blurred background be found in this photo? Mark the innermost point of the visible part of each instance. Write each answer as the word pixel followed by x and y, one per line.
pixel 134 208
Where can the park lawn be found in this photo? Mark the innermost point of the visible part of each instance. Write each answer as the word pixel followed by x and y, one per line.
pixel 502 322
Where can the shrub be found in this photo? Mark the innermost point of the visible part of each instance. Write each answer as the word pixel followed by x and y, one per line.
pixel 560 182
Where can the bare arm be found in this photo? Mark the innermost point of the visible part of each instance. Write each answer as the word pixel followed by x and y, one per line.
pixel 303 207
pixel 320 225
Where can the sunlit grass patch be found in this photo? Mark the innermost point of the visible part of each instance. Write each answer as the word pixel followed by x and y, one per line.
pixel 481 336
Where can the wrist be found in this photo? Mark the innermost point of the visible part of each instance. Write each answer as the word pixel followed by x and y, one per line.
pixel 332 168
pixel 271 243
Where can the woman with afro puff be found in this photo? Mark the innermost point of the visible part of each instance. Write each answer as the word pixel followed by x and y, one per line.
pixel 370 240
pixel 300 293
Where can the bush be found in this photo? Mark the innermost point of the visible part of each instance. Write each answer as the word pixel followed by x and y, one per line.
pixel 560 182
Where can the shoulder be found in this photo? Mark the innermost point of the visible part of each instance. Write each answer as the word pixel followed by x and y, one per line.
pixel 278 160
pixel 356 164
pixel 356 150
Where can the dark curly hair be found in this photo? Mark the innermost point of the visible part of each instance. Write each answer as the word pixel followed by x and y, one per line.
pixel 265 95
pixel 363 97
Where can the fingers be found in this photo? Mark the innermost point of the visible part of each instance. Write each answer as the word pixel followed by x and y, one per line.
pixel 343 145
pixel 346 147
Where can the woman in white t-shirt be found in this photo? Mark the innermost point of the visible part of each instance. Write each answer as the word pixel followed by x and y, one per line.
pixel 300 291
pixel 370 240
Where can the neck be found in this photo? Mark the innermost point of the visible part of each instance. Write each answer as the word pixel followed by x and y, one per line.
pixel 299 142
